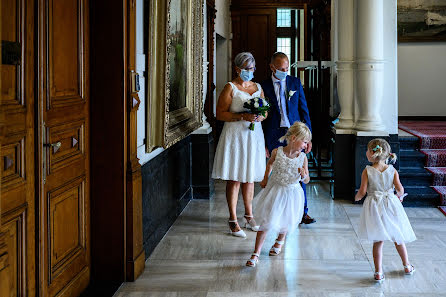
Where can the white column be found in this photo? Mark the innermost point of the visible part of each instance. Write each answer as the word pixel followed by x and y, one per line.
pixel 369 58
pixel 345 63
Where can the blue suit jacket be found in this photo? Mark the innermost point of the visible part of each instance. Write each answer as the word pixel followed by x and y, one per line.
pixel 297 110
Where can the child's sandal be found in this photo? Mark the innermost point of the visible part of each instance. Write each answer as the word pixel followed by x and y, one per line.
pixel 379 277
pixel 411 269
pixel 253 262
pixel 275 251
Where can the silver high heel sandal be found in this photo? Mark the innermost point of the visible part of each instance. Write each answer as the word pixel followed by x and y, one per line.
pixel 251 224
pixel 411 269
pixel 275 251
pixel 239 233
pixel 379 277
pixel 253 262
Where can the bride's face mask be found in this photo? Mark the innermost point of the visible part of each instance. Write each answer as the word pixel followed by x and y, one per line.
pixel 247 74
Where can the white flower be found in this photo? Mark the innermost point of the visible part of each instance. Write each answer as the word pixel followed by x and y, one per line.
pixel 265 103
pixel 291 93
pixel 256 105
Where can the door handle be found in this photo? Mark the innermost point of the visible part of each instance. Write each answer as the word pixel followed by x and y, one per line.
pixel 55 145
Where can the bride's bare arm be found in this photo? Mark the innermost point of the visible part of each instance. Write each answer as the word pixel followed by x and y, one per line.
pixel 223 104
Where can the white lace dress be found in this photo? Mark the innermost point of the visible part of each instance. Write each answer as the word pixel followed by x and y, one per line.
pixel 240 154
pixel 280 205
pixel 383 216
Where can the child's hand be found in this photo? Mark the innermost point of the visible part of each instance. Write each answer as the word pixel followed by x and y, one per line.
pixel 401 197
pixel 263 183
pixel 303 173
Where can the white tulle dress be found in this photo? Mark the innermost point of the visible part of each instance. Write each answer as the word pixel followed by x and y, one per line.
pixel 240 154
pixel 280 205
pixel 383 216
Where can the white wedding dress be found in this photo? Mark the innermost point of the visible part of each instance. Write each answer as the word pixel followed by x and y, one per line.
pixel 240 154
pixel 383 216
pixel 280 205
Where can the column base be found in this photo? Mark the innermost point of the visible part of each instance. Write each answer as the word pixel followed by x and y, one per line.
pixel 345 124
pixel 369 125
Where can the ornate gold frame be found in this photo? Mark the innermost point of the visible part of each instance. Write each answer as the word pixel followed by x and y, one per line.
pixel 164 127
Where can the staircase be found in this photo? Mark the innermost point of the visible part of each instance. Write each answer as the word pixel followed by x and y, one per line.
pixel 416 180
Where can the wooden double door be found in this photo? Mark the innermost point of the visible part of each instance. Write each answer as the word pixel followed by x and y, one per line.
pixel 44 154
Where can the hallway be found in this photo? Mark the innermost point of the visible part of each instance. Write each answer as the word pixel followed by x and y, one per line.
pixel 198 257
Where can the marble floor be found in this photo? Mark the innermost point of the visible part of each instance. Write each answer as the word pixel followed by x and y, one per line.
pixel 198 257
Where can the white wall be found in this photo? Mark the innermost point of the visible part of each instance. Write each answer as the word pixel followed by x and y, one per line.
pixel 223 18
pixel 223 45
pixel 422 79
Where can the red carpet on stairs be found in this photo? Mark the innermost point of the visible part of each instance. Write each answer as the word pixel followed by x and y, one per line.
pixel 432 135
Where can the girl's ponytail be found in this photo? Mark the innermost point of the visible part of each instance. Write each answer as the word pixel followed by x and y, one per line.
pixel 392 158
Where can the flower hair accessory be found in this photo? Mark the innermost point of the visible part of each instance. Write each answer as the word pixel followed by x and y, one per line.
pixel 376 148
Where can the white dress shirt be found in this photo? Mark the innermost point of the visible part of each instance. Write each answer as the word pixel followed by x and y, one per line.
pixel 284 121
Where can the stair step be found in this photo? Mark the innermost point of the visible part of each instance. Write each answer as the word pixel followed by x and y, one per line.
pixel 421 196
pixel 409 142
pixel 412 158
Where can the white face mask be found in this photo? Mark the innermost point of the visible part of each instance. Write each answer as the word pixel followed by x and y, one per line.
pixel 281 75
pixel 246 75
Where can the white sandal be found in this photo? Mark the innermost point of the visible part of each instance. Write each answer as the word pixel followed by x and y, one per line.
pixel 251 223
pixel 411 269
pixel 275 251
pixel 239 233
pixel 379 277
pixel 253 262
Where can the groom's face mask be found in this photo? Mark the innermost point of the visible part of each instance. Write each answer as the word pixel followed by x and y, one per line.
pixel 280 68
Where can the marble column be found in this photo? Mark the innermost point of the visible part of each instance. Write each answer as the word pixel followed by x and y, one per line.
pixel 345 63
pixel 369 59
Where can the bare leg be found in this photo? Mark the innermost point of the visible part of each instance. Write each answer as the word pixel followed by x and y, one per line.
pixel 248 195
pixel 232 189
pixel 260 239
pixel 378 255
pixel 402 251
pixel 281 237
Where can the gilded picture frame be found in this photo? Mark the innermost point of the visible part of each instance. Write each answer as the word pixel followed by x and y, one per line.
pixel 421 21
pixel 175 71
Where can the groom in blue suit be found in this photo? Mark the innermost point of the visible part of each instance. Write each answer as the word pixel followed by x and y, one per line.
pixel 288 105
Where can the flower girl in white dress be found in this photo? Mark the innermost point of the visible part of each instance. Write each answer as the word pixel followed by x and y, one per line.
pixel 383 216
pixel 280 204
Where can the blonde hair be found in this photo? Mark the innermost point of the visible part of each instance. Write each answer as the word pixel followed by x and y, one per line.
pixel 381 151
pixel 298 130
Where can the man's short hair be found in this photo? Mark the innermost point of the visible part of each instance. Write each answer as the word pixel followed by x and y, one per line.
pixel 278 55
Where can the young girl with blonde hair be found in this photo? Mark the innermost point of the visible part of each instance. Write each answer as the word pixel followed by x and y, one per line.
pixel 383 216
pixel 281 203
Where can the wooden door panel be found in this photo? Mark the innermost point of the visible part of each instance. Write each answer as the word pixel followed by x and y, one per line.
pixel 64 119
pixel 260 42
pixel 13 228
pixel 13 163
pixel 5 268
pixel 67 227
pixel 71 150
pixel 66 60
pixel 17 218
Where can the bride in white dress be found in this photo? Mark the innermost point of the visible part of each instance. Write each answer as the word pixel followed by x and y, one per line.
pixel 240 155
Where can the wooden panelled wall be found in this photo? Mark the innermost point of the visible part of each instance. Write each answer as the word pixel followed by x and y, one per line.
pixel 17 216
pixel 254 30
pixel 48 194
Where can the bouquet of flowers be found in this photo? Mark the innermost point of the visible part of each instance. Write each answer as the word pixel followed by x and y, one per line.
pixel 257 106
